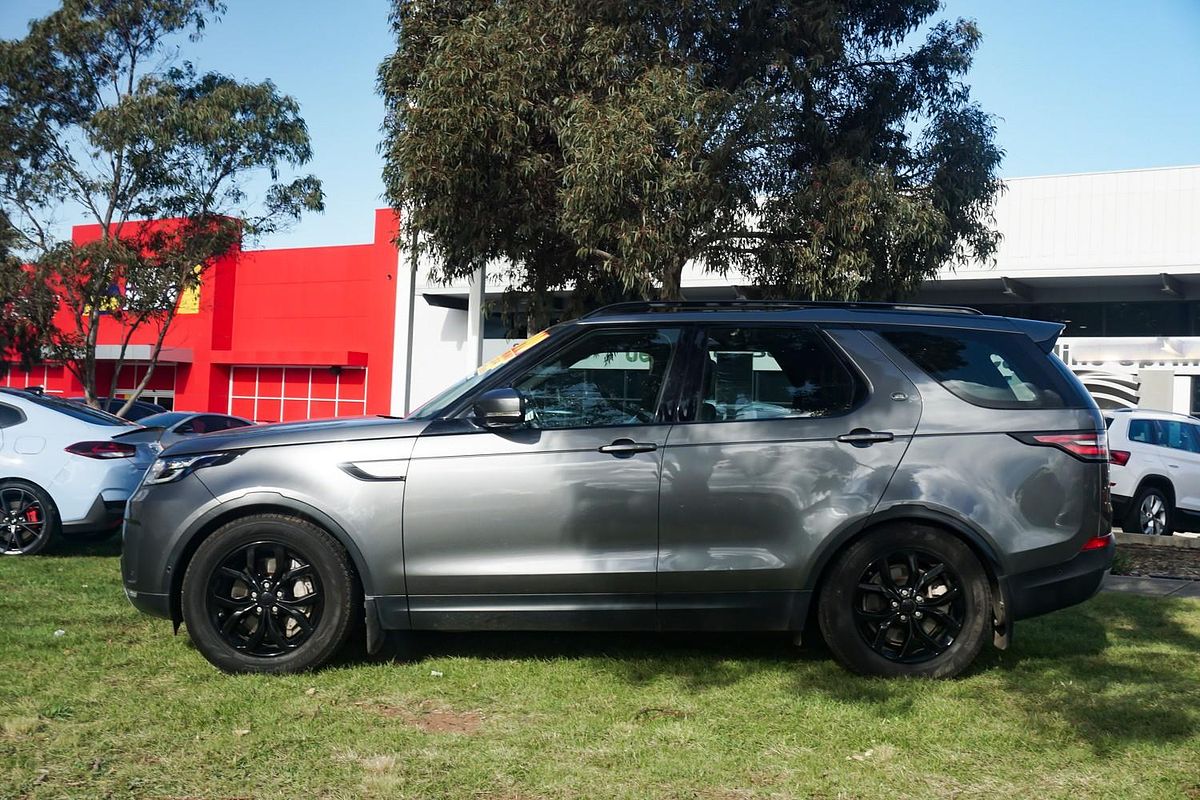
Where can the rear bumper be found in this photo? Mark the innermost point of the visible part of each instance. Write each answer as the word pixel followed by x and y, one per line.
pixel 103 515
pixel 1120 504
pixel 1041 591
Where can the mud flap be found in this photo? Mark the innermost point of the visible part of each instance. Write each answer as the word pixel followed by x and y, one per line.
pixel 375 634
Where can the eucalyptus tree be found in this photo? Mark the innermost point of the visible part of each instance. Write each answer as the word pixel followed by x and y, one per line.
pixel 104 121
pixel 824 148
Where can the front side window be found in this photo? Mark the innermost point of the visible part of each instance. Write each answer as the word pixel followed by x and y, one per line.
pixel 773 373
pixel 605 378
pixel 990 369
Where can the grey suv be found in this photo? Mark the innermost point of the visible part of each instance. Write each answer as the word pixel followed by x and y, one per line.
pixel 911 479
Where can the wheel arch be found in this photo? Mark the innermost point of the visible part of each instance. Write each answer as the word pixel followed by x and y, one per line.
pixel 247 507
pixel 1157 481
pixel 980 545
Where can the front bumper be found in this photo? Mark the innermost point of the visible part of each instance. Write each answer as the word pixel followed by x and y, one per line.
pixel 1041 591
pixel 158 605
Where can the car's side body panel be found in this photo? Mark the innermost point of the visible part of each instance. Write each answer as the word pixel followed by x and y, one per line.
pixel 1035 505
pixel 747 504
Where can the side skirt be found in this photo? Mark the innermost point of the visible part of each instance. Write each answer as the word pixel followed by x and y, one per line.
pixel 682 611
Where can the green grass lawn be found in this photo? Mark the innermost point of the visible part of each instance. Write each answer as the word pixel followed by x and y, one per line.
pixel 1097 701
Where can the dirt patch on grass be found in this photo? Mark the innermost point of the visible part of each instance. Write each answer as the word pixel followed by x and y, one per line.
pixel 430 718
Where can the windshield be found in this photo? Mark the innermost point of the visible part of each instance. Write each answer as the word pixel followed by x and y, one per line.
pixel 447 397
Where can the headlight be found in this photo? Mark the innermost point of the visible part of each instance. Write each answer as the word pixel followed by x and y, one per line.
pixel 167 470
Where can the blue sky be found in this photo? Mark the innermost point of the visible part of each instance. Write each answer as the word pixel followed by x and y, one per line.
pixel 1077 86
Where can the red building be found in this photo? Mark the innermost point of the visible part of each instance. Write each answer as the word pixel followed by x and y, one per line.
pixel 273 335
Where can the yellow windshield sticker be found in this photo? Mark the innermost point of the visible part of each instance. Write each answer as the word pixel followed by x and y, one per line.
pixel 513 352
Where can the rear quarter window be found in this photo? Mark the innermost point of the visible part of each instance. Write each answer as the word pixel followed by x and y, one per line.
pixel 80 412
pixel 988 368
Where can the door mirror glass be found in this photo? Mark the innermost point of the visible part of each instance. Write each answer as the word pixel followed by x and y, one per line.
pixel 500 408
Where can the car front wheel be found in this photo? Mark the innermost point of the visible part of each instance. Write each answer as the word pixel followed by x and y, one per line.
pixel 269 593
pixel 906 600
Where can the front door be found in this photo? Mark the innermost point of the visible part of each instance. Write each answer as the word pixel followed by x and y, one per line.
pixel 791 438
pixel 553 524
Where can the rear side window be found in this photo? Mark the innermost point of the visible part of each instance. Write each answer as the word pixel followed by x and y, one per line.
pixel 10 416
pixel 1165 433
pixel 990 369
pixel 1142 430
pixel 79 411
pixel 772 373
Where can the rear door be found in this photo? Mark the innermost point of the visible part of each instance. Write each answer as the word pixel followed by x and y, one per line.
pixel 1181 456
pixel 791 436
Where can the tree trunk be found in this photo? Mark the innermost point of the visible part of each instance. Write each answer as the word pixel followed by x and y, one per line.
pixel 672 278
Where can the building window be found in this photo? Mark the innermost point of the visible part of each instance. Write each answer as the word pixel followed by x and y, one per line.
pixel 289 394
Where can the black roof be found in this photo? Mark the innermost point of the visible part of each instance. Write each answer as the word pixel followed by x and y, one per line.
pixel 851 313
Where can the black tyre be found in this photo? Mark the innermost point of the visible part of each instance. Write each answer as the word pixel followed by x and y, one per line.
pixel 906 600
pixel 269 593
pixel 1152 513
pixel 29 521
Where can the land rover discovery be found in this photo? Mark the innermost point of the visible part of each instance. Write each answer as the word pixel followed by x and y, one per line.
pixel 909 479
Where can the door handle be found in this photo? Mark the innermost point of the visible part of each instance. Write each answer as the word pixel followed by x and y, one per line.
pixel 627 447
pixel 861 437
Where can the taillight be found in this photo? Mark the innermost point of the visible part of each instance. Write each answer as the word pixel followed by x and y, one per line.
pixel 1119 457
pixel 1086 446
pixel 103 450
pixel 1097 542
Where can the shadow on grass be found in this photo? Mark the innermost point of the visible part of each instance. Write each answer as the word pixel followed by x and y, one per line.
pixel 1117 670
pixel 698 661
pixel 107 545
pixel 1111 673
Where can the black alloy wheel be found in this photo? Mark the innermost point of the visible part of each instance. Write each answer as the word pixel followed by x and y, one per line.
pixel 28 519
pixel 265 599
pixel 909 606
pixel 906 600
pixel 269 593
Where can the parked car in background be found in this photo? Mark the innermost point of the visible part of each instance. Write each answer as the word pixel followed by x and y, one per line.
pixel 139 409
pixel 1155 471
pixel 917 477
pixel 65 469
pixel 177 425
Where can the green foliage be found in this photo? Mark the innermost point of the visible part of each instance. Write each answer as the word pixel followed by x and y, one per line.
pixel 97 119
pixel 819 147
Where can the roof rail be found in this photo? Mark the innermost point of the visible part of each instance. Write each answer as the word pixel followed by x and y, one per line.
pixel 637 306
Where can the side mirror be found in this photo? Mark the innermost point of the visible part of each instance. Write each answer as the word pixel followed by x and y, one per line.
pixel 500 408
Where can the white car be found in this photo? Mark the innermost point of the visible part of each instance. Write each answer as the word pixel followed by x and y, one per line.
pixel 64 469
pixel 1155 470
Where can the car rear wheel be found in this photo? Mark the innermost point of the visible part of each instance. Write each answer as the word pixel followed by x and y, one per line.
pixel 906 601
pixel 29 521
pixel 269 593
pixel 1152 513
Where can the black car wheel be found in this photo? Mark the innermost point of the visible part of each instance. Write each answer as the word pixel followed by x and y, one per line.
pixel 29 520
pixel 269 593
pixel 906 600
pixel 1152 513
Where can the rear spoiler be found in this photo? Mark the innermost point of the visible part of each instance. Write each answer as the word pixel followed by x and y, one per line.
pixel 1044 334
pixel 141 434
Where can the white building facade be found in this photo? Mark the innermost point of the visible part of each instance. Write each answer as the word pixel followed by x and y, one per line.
pixel 1115 256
